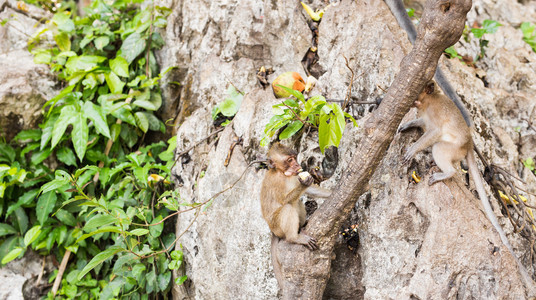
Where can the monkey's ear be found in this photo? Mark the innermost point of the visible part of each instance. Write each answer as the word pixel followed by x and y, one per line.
pixel 429 88
pixel 270 163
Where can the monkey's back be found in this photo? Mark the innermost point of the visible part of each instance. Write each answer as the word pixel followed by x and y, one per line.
pixel 442 113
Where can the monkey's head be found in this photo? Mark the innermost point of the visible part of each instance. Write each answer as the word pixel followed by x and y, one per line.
pixel 429 89
pixel 283 159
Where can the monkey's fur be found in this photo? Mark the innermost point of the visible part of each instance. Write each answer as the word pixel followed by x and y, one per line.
pixel 280 196
pixel 450 137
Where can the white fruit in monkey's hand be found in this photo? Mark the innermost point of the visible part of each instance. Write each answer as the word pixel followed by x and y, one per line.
pixel 305 178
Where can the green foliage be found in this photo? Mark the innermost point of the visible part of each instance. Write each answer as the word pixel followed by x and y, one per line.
pixel 107 205
pixel 411 12
pixel 529 164
pixel 294 114
pixel 229 107
pixel 529 35
pixel 452 53
pixel 488 27
pixel 54 6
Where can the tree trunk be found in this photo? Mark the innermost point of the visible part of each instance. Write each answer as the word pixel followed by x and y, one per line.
pixel 306 273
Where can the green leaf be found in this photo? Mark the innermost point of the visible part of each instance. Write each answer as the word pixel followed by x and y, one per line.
pixel 294 93
pixel 488 26
pixel 63 41
pixel 98 259
pixel 114 83
pixel 177 255
pixel 52 102
pixel 154 122
pixel 12 255
pixel 95 114
pixel 39 156
pixel 98 221
pixel 529 164
pixel 229 108
pixel 151 284
pixel 114 229
pixel 139 232
pixel 66 156
pixel 491 26
pixel 7 152
pixel 54 185
pixel 452 52
pixel 528 30
pixel 6 229
pixel 42 56
pixel 63 21
pixel 45 205
pixel 156 230
pixel 132 46
pixel 101 42
pixel 25 199
pixel 32 235
pixel 67 116
pixel 181 280
pixel 156 99
pixel 145 104
pixel 164 280
pixel 141 121
pixel 30 134
pixel 21 220
pixel 65 217
pixel 115 131
pixel 80 135
pixel 119 66
pixel 83 63
pixel 138 270
pixel 291 129
pixel 125 115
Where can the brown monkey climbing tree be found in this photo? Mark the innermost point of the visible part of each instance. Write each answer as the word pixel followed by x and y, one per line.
pixel 306 273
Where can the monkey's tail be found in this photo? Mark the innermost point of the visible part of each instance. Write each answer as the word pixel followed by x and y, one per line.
pixel 275 261
pixel 479 184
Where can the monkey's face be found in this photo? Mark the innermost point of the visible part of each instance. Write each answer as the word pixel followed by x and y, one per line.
pixel 291 166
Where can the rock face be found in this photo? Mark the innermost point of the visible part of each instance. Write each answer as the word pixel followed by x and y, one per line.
pixel 416 241
pixel 24 86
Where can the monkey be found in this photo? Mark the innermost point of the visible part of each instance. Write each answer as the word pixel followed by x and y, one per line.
pixel 450 137
pixel 280 196
pixel 401 15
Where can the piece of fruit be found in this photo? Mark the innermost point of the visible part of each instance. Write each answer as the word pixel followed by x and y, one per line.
pixel 304 175
pixel 291 80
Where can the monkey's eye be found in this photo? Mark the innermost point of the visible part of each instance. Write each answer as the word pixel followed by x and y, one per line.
pixel 289 159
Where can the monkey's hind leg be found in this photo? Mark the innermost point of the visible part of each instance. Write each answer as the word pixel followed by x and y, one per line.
pixel 290 225
pixel 445 154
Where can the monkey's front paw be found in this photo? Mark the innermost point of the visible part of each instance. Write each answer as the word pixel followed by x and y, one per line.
pixel 305 178
pixel 408 156
pixel 311 244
